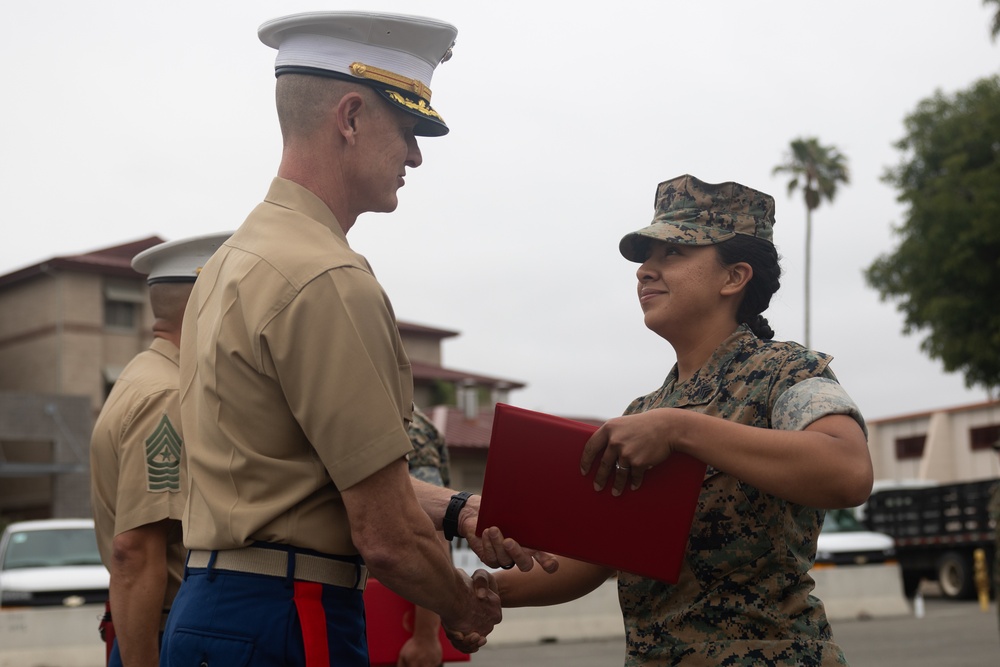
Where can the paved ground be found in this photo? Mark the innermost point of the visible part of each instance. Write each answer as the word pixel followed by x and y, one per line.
pixel 951 634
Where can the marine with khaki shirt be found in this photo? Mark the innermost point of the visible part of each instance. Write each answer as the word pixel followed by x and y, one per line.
pixel 135 462
pixel 295 389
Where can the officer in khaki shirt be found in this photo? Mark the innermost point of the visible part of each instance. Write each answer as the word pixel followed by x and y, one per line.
pixel 135 457
pixel 295 389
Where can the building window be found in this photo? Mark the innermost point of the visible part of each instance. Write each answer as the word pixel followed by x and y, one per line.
pixel 122 305
pixel 911 447
pixel 984 437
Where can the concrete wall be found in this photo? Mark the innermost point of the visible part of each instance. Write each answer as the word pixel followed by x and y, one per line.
pixel 594 616
pixel 59 637
pixel 847 592
pixel 59 428
pixel 861 591
pixel 68 638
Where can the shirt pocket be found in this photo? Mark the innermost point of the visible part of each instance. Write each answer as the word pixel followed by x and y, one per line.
pixel 729 538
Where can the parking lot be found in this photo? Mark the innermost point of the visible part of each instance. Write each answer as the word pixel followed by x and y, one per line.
pixel 951 634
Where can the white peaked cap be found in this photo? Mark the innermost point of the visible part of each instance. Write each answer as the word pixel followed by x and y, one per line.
pixel 178 261
pixel 393 53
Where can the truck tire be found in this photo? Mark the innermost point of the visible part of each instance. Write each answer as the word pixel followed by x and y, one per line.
pixel 955 576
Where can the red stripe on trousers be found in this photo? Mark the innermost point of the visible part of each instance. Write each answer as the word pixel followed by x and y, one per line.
pixel 312 618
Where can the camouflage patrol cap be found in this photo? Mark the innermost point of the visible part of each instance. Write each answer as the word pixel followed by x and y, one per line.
pixel 691 212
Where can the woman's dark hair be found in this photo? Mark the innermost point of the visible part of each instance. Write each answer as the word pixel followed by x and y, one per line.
pixel 762 256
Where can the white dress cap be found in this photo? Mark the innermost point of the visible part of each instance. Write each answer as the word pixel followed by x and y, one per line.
pixel 394 53
pixel 178 261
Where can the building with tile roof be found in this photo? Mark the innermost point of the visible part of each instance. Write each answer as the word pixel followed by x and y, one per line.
pixel 69 325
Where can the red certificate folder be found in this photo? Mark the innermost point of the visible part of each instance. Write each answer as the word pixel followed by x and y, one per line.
pixel 389 621
pixel 534 492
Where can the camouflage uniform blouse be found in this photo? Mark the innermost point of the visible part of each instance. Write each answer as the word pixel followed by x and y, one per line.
pixel 429 461
pixel 743 596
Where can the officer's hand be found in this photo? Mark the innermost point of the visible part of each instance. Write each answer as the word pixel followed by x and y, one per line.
pixel 466 643
pixel 494 550
pixel 468 632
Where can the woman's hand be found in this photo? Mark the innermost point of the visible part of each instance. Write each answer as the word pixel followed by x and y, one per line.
pixel 631 445
pixel 825 465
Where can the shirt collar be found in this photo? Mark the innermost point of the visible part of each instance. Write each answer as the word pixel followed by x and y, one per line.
pixel 705 384
pixel 167 349
pixel 289 194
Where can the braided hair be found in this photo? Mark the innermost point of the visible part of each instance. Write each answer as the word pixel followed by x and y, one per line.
pixel 762 256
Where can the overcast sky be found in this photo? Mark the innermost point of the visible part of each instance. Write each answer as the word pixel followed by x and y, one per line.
pixel 123 120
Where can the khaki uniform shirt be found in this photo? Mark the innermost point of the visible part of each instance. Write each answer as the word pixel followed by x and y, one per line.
pixel 135 456
pixel 294 382
pixel 743 596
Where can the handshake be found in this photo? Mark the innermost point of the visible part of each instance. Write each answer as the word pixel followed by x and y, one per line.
pixel 479 611
pixel 468 629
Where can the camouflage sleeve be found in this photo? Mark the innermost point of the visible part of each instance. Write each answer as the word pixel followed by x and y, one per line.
pixel 444 470
pixel 429 460
pixel 429 474
pixel 808 400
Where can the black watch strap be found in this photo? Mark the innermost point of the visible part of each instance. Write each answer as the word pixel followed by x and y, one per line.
pixel 450 522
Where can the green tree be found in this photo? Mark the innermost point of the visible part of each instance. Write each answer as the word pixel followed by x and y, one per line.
pixel 817 169
pixel 945 273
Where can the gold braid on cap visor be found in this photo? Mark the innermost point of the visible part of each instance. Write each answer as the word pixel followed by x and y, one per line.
pixel 391 78
pixel 420 107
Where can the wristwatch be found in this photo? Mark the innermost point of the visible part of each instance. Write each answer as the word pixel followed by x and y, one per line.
pixel 450 522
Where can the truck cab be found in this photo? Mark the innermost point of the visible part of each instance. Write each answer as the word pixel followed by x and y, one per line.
pixel 51 563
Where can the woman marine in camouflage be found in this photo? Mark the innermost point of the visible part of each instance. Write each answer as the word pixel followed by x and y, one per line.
pixel 782 440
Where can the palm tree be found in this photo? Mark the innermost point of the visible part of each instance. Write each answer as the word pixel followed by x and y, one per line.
pixel 818 169
pixel 995 23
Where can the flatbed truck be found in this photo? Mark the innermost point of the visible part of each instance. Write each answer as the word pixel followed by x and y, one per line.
pixel 936 530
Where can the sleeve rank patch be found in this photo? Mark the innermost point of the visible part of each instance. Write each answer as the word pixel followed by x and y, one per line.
pixel 163 458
